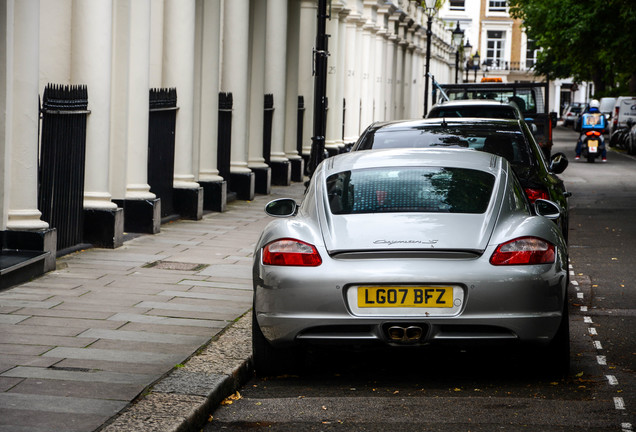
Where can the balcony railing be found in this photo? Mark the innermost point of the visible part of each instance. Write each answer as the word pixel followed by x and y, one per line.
pixel 500 65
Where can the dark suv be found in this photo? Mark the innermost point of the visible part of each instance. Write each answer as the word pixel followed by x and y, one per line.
pixel 510 139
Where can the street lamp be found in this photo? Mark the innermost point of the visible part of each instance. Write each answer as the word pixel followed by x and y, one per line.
pixel 431 10
pixel 458 35
pixel 476 59
pixel 467 48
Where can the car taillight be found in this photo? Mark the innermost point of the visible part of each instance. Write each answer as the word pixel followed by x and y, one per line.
pixel 535 194
pixel 523 250
pixel 595 133
pixel 291 252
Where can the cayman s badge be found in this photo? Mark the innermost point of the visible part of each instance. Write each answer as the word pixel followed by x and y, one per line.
pixel 431 243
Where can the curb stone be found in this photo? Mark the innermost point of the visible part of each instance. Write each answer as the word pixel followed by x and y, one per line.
pixel 182 401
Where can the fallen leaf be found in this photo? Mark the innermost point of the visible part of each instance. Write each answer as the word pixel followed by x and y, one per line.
pixel 554 383
pixel 324 408
pixel 580 374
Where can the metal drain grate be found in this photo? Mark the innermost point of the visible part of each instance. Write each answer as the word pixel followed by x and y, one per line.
pixel 174 265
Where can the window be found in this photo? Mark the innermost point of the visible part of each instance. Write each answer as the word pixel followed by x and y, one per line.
pixel 531 54
pixel 456 5
pixel 497 6
pixel 410 189
pixel 495 48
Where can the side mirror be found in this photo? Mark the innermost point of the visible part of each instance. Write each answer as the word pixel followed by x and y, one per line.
pixel 558 163
pixel 547 209
pixel 531 125
pixel 282 207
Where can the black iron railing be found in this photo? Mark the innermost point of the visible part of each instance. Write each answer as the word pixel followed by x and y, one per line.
pixel 224 147
pixel 267 127
pixel 62 161
pixel 161 134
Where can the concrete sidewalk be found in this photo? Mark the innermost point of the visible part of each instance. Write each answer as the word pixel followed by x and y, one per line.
pixel 146 337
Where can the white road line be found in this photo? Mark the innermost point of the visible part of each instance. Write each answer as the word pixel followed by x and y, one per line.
pixel 592 331
pixel 583 308
pixel 619 403
pixel 575 283
pixel 611 379
pixel 597 345
pixel 571 273
pixel 579 295
pixel 587 320
pixel 601 360
pixel 627 426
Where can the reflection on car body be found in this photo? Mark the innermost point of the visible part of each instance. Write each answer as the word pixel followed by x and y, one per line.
pixel 409 247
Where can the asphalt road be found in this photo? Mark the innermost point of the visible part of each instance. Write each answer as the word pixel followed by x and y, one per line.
pixel 488 390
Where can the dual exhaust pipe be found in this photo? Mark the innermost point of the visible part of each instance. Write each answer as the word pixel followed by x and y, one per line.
pixel 410 334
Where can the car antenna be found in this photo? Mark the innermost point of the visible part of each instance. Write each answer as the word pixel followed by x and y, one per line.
pixel 444 124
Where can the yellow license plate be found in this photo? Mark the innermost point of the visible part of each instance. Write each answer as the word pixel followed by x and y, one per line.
pixel 592 146
pixel 404 296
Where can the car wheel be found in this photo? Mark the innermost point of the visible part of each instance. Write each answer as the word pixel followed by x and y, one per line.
pixel 558 351
pixel 267 359
pixel 631 146
pixel 612 141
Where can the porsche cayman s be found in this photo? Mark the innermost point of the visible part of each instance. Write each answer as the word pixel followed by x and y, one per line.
pixel 409 247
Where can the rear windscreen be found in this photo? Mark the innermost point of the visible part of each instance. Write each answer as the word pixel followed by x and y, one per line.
pixel 507 141
pixel 502 112
pixel 409 189
pixel 525 99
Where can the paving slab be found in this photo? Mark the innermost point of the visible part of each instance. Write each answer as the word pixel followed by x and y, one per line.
pixel 76 374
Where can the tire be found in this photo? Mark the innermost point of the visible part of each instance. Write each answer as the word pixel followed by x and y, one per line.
pixel 558 351
pixel 268 360
pixel 590 159
pixel 631 146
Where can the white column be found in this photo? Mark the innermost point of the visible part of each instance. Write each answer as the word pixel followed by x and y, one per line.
pixel 22 117
pixel 156 43
pixel 257 85
pixel 178 72
pixel 368 67
pixel 308 23
pixel 333 137
pixel 276 72
pixel 129 118
pixel 208 90
pixel 380 59
pixel 351 115
pixel 91 64
pixel 556 99
pixel 399 73
pixel 408 71
pixel 235 77
pixel 389 71
pixel 291 87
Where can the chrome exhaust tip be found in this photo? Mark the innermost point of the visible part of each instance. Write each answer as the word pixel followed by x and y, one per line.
pixel 408 334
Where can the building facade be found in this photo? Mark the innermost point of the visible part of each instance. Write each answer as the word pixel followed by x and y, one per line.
pixel 203 51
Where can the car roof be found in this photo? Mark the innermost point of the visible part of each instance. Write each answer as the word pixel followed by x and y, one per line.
pixel 439 121
pixel 404 157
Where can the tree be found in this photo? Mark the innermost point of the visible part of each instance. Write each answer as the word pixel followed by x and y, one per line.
pixel 591 40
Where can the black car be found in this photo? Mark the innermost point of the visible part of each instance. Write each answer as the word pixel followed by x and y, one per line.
pixel 508 138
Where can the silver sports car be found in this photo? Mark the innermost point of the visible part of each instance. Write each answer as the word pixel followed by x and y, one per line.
pixel 408 247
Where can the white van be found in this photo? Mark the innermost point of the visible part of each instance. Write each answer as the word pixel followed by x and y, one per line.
pixel 607 107
pixel 624 109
